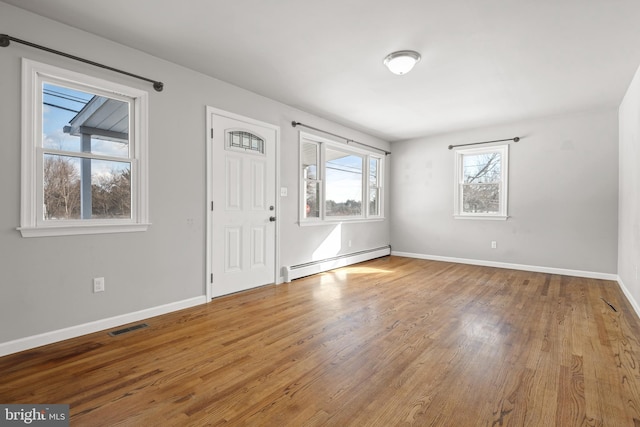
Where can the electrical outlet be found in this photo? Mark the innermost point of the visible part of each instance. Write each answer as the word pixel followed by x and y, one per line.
pixel 98 284
pixel 494 244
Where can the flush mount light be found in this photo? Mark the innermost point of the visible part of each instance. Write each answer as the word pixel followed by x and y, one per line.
pixel 401 62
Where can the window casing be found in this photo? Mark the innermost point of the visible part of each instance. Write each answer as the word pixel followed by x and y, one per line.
pixel 84 154
pixel 481 183
pixel 339 183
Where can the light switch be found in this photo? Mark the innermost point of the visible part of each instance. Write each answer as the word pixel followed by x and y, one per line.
pixel 283 191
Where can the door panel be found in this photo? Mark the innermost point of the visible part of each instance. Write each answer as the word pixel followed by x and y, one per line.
pixel 233 183
pixel 243 190
pixel 258 182
pixel 258 243
pixel 233 249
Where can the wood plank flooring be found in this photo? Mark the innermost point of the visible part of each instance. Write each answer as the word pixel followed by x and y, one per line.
pixel 393 341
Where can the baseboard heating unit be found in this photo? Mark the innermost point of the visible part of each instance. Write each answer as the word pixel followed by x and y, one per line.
pixel 301 270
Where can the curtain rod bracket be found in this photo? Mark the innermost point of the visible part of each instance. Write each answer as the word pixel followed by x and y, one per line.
pixel 5 40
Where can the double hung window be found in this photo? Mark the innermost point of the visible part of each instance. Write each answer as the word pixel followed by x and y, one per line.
pixel 481 182
pixel 338 182
pixel 83 154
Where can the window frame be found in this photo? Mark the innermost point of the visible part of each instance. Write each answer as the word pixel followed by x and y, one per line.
pixel 459 153
pixel 321 146
pixel 32 222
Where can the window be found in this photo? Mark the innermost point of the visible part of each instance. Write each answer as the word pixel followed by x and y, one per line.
pixel 343 183
pixel 83 154
pixel 375 186
pixel 481 183
pixel 339 182
pixel 244 141
pixel 310 179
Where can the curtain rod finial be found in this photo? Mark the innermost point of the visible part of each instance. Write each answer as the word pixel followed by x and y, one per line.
pixel 294 123
pixel 158 86
pixel 451 147
pixel 4 40
pixel 516 139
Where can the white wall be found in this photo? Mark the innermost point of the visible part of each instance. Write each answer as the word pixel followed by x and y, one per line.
pixel 46 283
pixel 629 183
pixel 562 196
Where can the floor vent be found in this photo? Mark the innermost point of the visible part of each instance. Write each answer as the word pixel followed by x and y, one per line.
pixel 129 329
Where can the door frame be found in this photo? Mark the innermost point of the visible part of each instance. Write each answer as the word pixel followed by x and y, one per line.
pixel 210 161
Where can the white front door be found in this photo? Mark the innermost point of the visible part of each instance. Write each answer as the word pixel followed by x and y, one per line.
pixel 243 191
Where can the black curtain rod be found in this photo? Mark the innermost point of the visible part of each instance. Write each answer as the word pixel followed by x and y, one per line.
pixel 294 124
pixel 5 40
pixel 516 139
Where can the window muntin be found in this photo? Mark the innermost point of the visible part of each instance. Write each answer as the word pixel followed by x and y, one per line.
pixel 339 183
pixel 83 154
pixel 481 182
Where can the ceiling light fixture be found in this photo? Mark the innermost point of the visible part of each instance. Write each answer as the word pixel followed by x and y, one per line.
pixel 401 62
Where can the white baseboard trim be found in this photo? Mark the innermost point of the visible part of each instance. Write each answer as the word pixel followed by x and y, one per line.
pixel 302 270
pixel 524 267
pixel 34 341
pixel 630 298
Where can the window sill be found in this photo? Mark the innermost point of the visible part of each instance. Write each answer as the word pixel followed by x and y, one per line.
pixel 72 230
pixel 483 217
pixel 311 223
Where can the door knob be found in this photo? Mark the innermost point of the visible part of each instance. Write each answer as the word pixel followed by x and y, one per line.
pixel 272 218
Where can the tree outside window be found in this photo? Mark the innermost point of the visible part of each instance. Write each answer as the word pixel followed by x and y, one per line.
pixel 481 187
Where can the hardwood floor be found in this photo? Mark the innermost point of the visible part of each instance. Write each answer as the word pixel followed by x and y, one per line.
pixel 394 341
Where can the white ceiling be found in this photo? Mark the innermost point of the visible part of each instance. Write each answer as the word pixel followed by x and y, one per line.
pixel 484 62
